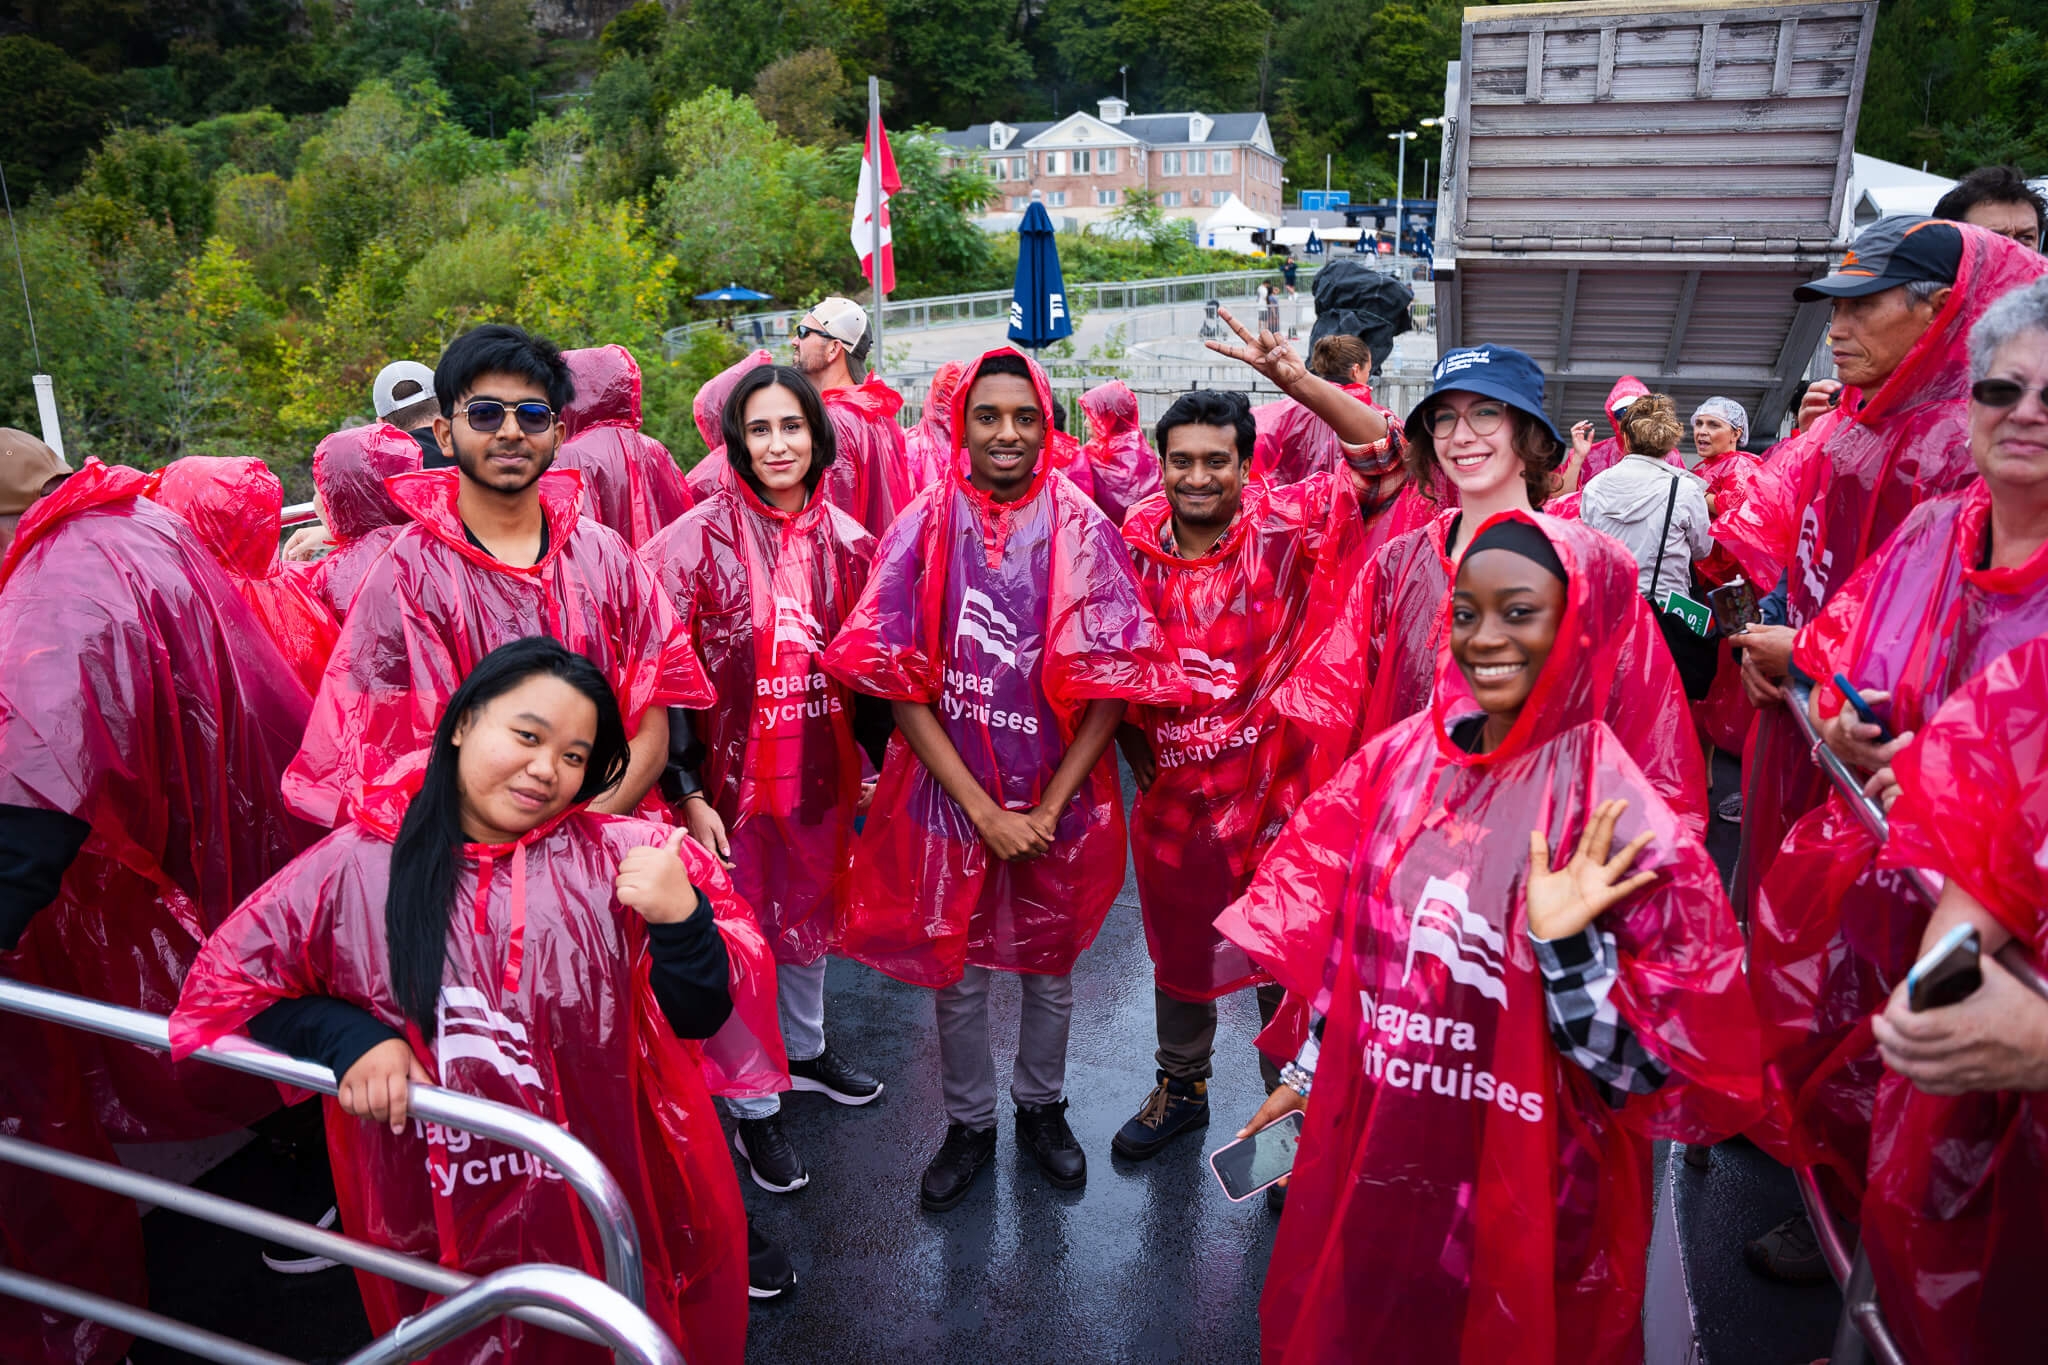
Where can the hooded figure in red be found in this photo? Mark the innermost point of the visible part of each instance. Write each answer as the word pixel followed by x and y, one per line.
pixel 151 809
pixel 1833 933
pixel 928 447
pixel 1724 715
pixel 1956 1218
pixel 553 996
pixel 1121 461
pixel 1606 453
pixel 630 481
pixel 236 505
pixel 1465 1189
pixel 434 604
pixel 1009 618
pixel 711 471
pixel 1819 510
pixel 349 470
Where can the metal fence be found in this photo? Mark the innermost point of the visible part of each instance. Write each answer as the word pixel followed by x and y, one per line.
pixel 556 1297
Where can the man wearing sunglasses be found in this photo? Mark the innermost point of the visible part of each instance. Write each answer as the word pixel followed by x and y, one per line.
pixel 870 478
pixel 497 550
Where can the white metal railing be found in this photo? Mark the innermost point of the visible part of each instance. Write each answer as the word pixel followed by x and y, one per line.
pixel 579 1167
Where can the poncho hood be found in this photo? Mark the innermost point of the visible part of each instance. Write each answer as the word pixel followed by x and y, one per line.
pixel 94 485
pixel 234 503
pixel 349 469
pixel 607 389
pixel 429 498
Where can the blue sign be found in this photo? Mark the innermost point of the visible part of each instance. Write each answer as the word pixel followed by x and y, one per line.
pixel 1318 201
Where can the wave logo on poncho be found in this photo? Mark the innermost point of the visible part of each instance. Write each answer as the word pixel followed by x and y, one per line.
pixel 1208 677
pixel 468 1027
pixel 796 626
pixel 1445 928
pixel 983 623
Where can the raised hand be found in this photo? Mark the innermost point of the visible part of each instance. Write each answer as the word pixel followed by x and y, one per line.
pixel 1265 351
pixel 1564 902
pixel 653 881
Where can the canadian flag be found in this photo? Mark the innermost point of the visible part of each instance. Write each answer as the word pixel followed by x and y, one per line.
pixel 865 208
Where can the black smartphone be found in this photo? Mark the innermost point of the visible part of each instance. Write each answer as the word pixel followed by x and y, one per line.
pixel 1948 972
pixel 1251 1164
pixel 1734 607
pixel 1862 708
pixel 1835 399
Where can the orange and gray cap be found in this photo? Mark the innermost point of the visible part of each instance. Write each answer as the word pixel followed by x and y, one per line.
pixel 1892 251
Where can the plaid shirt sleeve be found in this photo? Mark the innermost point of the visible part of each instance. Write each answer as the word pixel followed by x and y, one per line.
pixel 1578 973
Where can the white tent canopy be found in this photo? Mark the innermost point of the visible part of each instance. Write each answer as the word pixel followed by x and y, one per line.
pixel 1298 236
pixel 1231 226
pixel 1878 187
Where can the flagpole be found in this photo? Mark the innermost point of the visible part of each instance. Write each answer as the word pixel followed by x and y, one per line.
pixel 875 225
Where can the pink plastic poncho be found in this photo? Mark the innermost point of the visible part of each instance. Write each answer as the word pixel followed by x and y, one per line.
pixel 1833 932
pixel 1294 443
pixel 870 478
pixel 434 605
pixel 1382 659
pixel 708 407
pixel 928 447
pixel 1231 769
pixel 1122 462
pixel 630 481
pixel 762 593
pixel 138 694
pixel 1724 715
pixel 236 505
pixel 1463 1192
pixel 349 469
pixel 1956 1218
pixel 545 1006
pixel 1007 619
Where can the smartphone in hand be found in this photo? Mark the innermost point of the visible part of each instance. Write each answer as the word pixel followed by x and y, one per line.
pixel 1251 1164
pixel 1863 709
pixel 1948 972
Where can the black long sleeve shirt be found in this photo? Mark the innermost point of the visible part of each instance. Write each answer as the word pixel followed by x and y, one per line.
pixel 36 848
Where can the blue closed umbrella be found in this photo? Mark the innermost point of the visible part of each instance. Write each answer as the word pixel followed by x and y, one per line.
pixel 1038 304
pixel 1315 244
pixel 734 293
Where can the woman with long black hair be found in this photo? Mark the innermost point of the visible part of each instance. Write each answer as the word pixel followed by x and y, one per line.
pixel 484 931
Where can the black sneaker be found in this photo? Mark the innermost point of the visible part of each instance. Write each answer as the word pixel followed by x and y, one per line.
pixel 1174 1107
pixel 1789 1253
pixel 1730 808
pixel 286 1260
pixel 1042 1131
pixel 769 1273
pixel 832 1076
pixel 951 1173
pixel 771 1156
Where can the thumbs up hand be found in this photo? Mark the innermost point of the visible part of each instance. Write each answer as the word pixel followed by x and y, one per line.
pixel 653 881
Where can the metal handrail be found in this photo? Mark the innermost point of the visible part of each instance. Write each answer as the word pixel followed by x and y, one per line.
pixel 300 514
pixel 579 1167
pixel 623 1326
pixel 136 1322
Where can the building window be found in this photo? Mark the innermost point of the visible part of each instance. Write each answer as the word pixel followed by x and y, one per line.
pixel 1105 161
pixel 1057 199
pixel 1222 163
pixel 1198 163
pixel 1081 163
pixel 1169 163
pixel 1194 196
pixel 1170 199
pixel 1001 167
pixel 1105 197
pixel 1055 163
pixel 1019 202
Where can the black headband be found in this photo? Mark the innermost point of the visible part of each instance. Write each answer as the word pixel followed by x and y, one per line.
pixel 1522 538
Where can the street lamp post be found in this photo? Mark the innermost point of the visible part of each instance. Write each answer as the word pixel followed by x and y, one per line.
pixel 1428 189
pixel 1400 140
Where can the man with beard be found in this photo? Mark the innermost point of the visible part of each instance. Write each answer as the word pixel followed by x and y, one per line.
pixel 496 551
pixel 871 479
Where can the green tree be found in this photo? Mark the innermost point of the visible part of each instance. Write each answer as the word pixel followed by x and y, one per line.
pixel 636 31
pixel 806 95
pixel 53 109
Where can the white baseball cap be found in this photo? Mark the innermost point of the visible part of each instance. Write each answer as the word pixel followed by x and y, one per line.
pixel 842 319
pixel 394 374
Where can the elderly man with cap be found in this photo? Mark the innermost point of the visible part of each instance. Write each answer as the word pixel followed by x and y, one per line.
pixel 1905 298
pixel 870 479
pixel 26 467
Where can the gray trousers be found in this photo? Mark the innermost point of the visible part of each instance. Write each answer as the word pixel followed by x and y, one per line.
pixel 967 1063
pixel 800 1000
pixel 1187 1035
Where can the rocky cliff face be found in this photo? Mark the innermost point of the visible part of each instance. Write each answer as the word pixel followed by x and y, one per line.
pixel 576 18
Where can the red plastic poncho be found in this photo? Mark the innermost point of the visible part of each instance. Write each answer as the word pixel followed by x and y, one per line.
pixel 1231 769
pixel 138 694
pixel 545 1006
pixel 870 478
pixel 708 407
pixel 1125 467
pixel 1463 1192
pixel 1294 443
pixel 1008 619
pixel 630 481
pixel 1819 510
pixel 236 506
pixel 1833 932
pixel 1383 658
pixel 434 605
pixel 1724 715
pixel 929 446
pixel 1956 1217
pixel 762 593
pixel 349 470
pixel 1063 454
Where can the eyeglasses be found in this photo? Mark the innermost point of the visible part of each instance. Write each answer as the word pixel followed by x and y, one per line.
pixel 2005 393
pixel 804 329
pixel 486 415
pixel 1483 418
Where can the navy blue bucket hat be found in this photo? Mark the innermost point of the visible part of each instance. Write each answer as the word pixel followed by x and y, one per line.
pixel 1494 372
